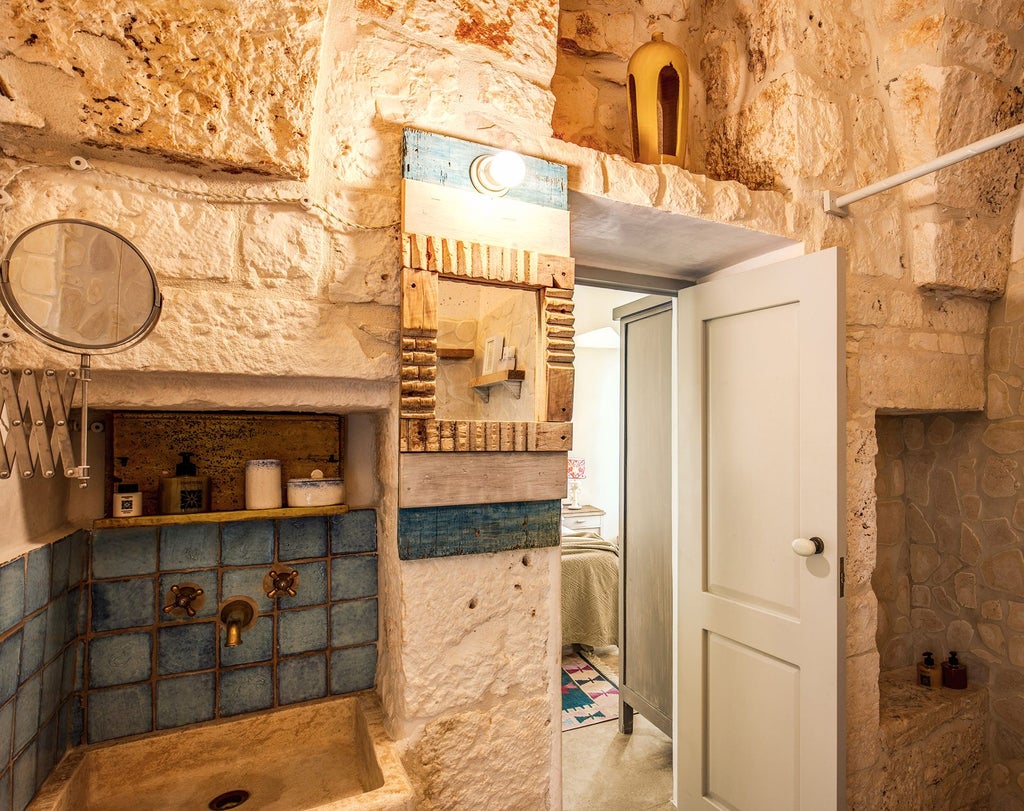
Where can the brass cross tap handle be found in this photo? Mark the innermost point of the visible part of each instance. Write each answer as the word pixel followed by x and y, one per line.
pixel 282 583
pixel 184 596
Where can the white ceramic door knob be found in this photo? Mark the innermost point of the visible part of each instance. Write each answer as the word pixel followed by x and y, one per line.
pixel 806 547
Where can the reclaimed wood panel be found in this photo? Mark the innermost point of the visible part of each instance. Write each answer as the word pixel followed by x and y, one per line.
pixel 146 446
pixel 433 532
pixel 419 301
pixel 432 480
pixel 442 160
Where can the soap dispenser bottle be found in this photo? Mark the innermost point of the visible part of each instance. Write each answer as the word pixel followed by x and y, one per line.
pixel 185 491
pixel 954 674
pixel 928 673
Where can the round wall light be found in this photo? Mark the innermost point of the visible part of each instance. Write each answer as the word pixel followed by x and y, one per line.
pixel 496 174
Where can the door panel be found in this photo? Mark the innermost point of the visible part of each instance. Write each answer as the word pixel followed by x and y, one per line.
pixel 752 456
pixel 761 630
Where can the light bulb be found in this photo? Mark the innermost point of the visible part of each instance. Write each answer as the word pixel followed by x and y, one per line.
pixel 496 174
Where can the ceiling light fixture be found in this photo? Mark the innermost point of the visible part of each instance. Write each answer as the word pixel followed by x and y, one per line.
pixel 496 174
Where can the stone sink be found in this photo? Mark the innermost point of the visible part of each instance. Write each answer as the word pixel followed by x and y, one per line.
pixel 328 755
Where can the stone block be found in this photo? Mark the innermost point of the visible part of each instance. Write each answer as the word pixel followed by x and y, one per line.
pixel 967 256
pixel 998 478
pixel 1004 437
pixel 158 80
pixel 1005 571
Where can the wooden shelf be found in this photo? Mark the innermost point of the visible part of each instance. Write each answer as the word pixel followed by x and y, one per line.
pixel 455 353
pixel 217 517
pixel 512 379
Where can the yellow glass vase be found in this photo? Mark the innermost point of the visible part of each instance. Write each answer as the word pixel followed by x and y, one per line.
pixel 658 84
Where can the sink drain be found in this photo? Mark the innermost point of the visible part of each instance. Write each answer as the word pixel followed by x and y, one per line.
pixel 229 799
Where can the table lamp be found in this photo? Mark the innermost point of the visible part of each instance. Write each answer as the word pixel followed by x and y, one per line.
pixel 577 470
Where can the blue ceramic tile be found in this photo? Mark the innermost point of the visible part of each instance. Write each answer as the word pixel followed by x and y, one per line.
pixel 49 699
pixel 353 577
pixel 246 583
pixel 206 580
pixel 12 593
pixel 5 791
pixel 257 645
pixel 123 552
pixel 302 678
pixel 185 700
pixel 302 538
pixel 10 658
pixel 118 712
pixel 46 750
pixel 37 580
pixel 353 669
pixel 78 560
pixel 33 645
pixel 23 775
pixel 75 618
pixel 301 631
pixel 67 676
pixel 354 531
pixel 311 588
pixel 186 647
pixel 56 628
pixel 6 732
pixel 189 546
pixel 77 721
pixel 64 729
pixel 120 659
pixel 80 665
pixel 60 554
pixel 26 711
pixel 123 604
pixel 247 543
pixel 353 623
pixel 246 689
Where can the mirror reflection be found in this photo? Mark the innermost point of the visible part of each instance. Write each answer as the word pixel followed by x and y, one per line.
pixel 79 286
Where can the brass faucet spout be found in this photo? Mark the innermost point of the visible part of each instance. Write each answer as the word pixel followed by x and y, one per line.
pixel 237 615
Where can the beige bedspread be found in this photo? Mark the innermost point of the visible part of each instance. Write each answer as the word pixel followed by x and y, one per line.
pixel 590 590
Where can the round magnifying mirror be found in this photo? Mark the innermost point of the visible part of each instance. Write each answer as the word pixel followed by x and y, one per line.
pixel 79 287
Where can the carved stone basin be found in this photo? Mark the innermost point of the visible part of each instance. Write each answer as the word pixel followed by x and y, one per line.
pixel 330 755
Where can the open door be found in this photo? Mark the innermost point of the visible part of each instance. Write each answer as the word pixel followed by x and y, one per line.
pixel 761 622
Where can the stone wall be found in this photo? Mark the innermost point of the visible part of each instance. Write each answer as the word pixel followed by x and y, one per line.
pixel 950 572
pixel 275 238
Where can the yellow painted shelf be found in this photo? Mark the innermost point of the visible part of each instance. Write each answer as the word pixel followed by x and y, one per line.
pixel 217 517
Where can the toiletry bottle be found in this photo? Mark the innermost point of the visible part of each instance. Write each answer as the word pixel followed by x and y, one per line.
pixel 127 500
pixel 928 673
pixel 954 674
pixel 185 491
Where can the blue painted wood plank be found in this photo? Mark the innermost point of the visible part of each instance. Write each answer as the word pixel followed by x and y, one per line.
pixel 436 532
pixel 444 161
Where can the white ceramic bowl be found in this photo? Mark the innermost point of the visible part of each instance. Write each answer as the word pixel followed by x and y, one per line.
pixel 315 492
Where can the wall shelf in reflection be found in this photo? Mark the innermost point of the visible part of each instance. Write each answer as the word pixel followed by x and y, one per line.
pixel 511 379
pixel 455 353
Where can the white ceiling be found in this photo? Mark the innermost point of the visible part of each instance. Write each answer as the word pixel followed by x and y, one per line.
pixel 613 236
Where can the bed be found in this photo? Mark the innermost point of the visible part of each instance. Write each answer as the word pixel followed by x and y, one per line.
pixel 590 590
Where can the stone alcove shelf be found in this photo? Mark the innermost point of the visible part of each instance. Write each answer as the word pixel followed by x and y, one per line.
pixel 218 517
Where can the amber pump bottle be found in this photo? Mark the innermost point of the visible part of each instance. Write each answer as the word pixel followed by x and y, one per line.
pixel 954 674
pixel 928 673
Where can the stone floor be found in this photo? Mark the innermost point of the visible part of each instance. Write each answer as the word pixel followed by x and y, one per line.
pixel 605 771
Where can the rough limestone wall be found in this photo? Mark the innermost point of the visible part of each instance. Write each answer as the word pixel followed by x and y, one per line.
pixel 252 153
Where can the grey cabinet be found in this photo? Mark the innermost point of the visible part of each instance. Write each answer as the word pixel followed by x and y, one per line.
pixel 646 569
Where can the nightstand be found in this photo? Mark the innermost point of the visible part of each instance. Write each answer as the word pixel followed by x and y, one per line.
pixel 586 518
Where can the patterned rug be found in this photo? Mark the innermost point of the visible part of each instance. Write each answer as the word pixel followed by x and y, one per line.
pixel 588 697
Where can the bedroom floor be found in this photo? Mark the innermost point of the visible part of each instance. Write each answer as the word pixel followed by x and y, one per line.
pixel 605 771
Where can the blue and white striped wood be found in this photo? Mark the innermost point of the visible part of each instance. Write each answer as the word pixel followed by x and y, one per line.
pixel 444 161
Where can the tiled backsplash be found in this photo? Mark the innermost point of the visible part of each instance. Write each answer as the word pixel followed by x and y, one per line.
pixel 40 622
pixel 87 652
pixel 147 670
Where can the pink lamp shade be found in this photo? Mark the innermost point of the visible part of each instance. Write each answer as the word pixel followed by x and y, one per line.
pixel 577 468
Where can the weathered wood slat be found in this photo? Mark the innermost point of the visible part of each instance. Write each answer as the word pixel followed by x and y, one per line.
pixel 431 532
pixel 427 479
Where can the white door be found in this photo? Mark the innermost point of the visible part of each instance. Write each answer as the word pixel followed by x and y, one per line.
pixel 761 629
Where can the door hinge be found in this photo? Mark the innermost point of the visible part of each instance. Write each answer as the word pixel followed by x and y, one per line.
pixel 842 577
